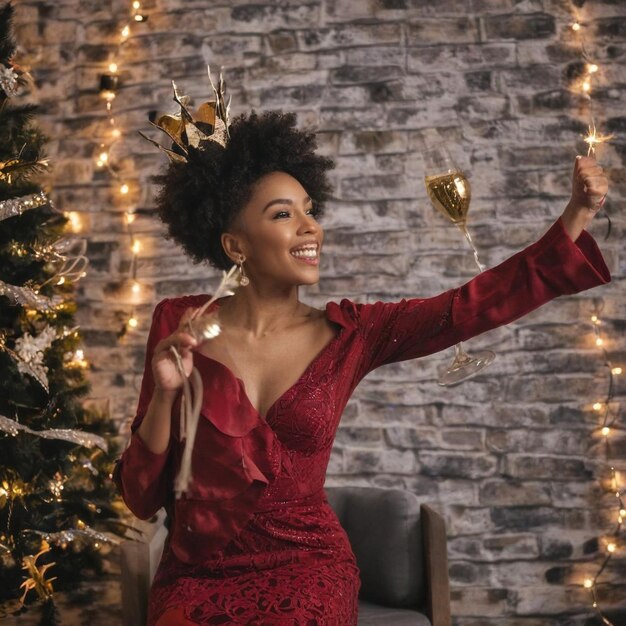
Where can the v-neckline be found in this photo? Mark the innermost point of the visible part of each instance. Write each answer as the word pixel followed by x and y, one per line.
pixel 242 385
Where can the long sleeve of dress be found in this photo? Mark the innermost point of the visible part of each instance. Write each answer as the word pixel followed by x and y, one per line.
pixel 140 474
pixel 552 266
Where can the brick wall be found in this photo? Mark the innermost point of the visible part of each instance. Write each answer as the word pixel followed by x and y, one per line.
pixel 509 458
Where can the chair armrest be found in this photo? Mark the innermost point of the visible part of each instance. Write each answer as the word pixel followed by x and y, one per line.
pixel 436 555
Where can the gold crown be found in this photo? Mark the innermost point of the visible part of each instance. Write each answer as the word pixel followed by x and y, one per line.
pixel 209 123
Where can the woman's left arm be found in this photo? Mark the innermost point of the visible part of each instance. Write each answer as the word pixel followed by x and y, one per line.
pixel 565 260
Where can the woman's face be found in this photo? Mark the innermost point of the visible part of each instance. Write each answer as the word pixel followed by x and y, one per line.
pixel 277 232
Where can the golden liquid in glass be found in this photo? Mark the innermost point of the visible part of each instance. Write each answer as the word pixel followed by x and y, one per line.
pixel 450 194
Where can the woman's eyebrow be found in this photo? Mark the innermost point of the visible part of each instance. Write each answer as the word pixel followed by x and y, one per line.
pixel 306 200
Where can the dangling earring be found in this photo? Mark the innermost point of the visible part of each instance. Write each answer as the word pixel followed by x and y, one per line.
pixel 243 279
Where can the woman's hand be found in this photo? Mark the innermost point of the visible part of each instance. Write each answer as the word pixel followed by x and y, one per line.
pixel 164 369
pixel 589 188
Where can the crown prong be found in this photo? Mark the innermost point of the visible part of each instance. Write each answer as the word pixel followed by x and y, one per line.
pixel 173 156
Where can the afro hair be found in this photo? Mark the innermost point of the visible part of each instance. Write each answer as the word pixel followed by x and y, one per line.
pixel 200 199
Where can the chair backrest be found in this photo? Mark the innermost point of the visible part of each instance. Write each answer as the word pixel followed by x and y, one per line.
pixel 385 532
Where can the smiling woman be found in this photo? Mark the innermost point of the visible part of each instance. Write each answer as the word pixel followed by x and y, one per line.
pixel 254 539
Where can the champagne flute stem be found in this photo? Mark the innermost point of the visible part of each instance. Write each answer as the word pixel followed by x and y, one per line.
pixel 463 228
pixel 460 356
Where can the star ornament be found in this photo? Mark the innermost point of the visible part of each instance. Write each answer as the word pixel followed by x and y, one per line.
pixel 593 139
pixel 37 580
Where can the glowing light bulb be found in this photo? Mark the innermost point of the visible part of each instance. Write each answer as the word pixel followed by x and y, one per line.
pixel 138 17
pixel 611 547
pixel 103 158
pixel 588 583
pixel 599 341
pixel 622 512
pixel 125 31
pixel 586 86
pixel 136 246
pixel 79 354
pixel 61 280
pixel 597 406
pixel 594 319
pixel 136 288
pixel 605 431
pixel 124 188
pixel 576 27
pixel 130 217
pixel 616 371
pixel 112 68
pixel 132 322
pixel 136 5
pixel 116 133
pixel 592 68
pixel 75 222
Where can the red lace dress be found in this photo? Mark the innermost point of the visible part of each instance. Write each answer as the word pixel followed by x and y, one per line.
pixel 255 541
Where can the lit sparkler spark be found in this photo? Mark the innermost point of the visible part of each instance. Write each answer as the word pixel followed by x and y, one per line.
pixel 593 139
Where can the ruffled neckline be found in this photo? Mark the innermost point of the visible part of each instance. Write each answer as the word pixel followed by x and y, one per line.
pixel 333 314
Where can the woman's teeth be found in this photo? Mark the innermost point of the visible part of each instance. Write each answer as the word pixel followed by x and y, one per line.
pixel 309 254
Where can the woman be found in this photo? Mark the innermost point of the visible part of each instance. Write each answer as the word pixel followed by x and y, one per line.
pixel 255 541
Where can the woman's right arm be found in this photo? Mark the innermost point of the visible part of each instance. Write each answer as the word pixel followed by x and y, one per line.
pixel 141 473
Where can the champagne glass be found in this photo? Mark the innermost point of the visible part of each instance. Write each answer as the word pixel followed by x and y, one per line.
pixel 450 193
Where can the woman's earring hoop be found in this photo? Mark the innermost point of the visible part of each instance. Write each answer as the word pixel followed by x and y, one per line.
pixel 243 279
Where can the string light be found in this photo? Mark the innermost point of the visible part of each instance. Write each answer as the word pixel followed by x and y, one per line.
pixel 606 409
pixel 609 418
pixel 103 157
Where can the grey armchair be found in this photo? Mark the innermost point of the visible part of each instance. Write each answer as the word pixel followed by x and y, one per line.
pixel 400 547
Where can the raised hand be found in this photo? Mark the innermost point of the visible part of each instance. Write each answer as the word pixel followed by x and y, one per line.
pixel 164 370
pixel 589 189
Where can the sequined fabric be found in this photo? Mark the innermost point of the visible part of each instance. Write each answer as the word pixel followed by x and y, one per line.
pixel 255 541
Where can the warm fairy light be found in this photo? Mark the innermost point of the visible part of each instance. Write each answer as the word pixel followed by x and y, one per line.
pixel 586 86
pixel 75 221
pixel 108 95
pixel 136 5
pixel 136 246
pixel 605 431
pixel 592 68
pixel 112 68
pixel 103 159
pixel 597 406
pixel 575 26
pixel 599 341
pixel 130 217
pixel 136 288
pixel 611 547
pixel 61 280
pixel 116 133
pixel 132 322
pixel 616 371
pixel 124 188
pixel 622 512
pixel 125 31
pixel 588 583
pixel 77 360
pixel 594 319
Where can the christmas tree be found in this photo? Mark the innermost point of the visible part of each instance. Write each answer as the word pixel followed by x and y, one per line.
pixel 59 512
